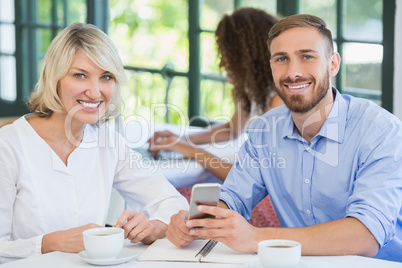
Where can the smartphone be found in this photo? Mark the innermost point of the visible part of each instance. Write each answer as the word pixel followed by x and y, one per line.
pixel 203 194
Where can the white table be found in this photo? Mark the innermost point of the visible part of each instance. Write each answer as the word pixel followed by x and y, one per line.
pixel 71 260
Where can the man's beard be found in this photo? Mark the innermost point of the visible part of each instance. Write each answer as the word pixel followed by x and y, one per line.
pixel 295 102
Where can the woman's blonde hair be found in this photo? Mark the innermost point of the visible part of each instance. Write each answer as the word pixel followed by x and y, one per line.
pixel 59 58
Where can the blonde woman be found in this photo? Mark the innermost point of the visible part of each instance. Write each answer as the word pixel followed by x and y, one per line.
pixel 60 162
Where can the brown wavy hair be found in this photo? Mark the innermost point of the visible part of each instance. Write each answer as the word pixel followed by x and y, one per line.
pixel 242 47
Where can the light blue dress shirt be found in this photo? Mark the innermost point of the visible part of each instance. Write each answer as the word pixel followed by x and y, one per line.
pixel 352 168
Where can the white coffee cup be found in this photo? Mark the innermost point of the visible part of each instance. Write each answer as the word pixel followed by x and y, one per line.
pixel 279 253
pixel 103 242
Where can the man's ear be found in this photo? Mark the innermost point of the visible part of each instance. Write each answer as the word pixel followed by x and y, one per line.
pixel 335 64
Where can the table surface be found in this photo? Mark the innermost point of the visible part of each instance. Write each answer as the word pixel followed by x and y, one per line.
pixel 71 260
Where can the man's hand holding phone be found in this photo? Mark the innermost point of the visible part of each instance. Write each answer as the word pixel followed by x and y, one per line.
pixel 178 232
pixel 203 194
pixel 226 226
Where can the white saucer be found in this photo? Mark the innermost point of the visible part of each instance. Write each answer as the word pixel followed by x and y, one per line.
pixel 257 264
pixel 125 255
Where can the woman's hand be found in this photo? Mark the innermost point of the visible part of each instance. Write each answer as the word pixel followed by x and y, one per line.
pixel 166 140
pixel 178 233
pixel 161 135
pixel 70 240
pixel 169 141
pixel 137 227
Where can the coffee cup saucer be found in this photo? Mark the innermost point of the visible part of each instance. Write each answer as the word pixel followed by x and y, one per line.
pixel 125 255
pixel 257 264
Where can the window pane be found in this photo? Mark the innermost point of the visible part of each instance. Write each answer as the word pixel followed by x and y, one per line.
pixel 8 78
pixel 150 33
pixel 60 12
pixel 144 95
pixel 43 37
pixel 137 93
pixel 363 20
pixel 77 10
pixel 325 9
pixel 210 63
pixel 362 66
pixel 7 35
pixel 333 79
pixel 268 5
pixel 212 12
pixel 44 11
pixel 216 100
pixel 7 11
pixel 178 101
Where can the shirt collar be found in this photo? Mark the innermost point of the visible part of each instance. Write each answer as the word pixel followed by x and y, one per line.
pixel 333 127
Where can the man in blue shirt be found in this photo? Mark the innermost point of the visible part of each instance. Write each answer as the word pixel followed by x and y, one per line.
pixel 331 163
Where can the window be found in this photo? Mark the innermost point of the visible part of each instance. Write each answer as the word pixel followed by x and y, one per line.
pixel 157 49
pixel 28 26
pixel 8 93
pixel 154 49
pixel 168 48
pixel 172 60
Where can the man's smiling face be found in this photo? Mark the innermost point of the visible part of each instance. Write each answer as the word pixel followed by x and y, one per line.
pixel 301 68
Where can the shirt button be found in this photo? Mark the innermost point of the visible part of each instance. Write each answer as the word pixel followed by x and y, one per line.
pixel 308 149
pixel 308 212
pixel 307 181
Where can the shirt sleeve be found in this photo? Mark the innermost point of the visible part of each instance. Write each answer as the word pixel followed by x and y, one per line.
pixel 377 196
pixel 146 190
pixel 244 186
pixel 21 248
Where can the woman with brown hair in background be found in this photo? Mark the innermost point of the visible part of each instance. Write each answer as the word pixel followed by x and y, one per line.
pixel 242 47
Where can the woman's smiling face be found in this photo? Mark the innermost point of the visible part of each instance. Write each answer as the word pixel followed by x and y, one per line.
pixel 86 90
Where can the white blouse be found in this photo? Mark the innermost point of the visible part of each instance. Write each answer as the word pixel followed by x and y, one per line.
pixel 39 194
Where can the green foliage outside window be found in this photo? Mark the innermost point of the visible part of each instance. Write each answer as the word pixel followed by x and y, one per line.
pixel 153 33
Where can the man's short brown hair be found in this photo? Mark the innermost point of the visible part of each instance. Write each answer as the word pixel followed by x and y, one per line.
pixel 301 20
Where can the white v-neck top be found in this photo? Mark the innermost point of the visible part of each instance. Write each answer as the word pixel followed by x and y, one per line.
pixel 39 194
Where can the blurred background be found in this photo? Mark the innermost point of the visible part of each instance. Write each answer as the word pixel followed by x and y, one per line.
pixel 169 52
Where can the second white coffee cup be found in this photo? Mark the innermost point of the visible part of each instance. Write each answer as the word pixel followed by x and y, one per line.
pixel 103 242
pixel 279 253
